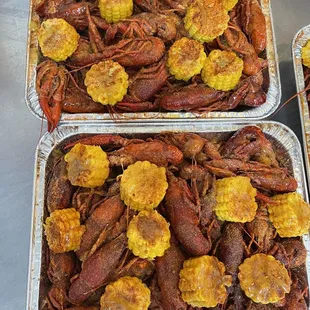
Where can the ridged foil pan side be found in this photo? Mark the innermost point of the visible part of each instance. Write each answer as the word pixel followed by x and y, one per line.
pixel 299 41
pixel 247 114
pixel 284 141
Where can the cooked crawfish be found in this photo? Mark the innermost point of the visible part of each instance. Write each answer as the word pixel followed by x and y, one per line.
pixel 50 85
pixel 140 43
pixel 193 163
pixel 101 263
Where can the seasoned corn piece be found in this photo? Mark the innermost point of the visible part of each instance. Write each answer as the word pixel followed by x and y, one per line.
pixel 235 199
pixel 203 280
pixel 264 279
pixel 305 54
pixel 58 40
pixel 290 215
pixel 87 165
pixel 127 293
pixel 206 20
pixel 148 235
pixel 143 185
pixel 229 4
pixel 185 58
pixel 115 10
pixel 107 82
pixel 222 70
pixel 63 230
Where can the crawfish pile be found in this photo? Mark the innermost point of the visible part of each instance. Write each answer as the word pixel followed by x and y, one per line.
pixel 193 166
pixel 140 44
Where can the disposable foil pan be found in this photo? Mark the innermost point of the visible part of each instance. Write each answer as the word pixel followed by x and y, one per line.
pixel 285 143
pixel 247 113
pixel 300 40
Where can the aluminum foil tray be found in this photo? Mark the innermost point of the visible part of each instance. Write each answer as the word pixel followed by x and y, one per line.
pixel 252 114
pixel 285 143
pixel 300 40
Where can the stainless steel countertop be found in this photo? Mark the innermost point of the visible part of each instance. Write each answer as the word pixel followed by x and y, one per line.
pixel 20 132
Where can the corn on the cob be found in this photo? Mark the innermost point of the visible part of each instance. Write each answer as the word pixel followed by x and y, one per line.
pixel 148 235
pixel 222 70
pixel 290 215
pixel 115 10
pixel 143 185
pixel 63 230
pixel 126 293
pixel 58 40
pixel 264 279
pixel 235 199
pixel 229 4
pixel 203 280
pixel 185 58
pixel 206 20
pixel 107 82
pixel 87 165
pixel 305 54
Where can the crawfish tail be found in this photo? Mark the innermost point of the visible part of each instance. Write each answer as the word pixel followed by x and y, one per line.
pixel 60 189
pixel 101 219
pixel 97 269
pixel 190 98
pixel 183 218
pixel 168 268
pixel 156 152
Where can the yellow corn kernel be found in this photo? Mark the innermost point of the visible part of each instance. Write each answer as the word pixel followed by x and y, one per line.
pixel 126 293
pixel 264 279
pixel 305 54
pixel 290 215
pixel 185 58
pixel 222 70
pixel 107 82
pixel 203 280
pixel 206 20
pixel 148 235
pixel 87 165
pixel 58 40
pixel 229 4
pixel 63 230
pixel 235 199
pixel 115 10
pixel 143 185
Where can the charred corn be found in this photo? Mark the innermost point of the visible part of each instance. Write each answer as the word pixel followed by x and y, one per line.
pixel 58 40
pixel 115 10
pixel 143 185
pixel 63 230
pixel 290 215
pixel 107 82
pixel 148 235
pixel 185 58
pixel 206 20
pixel 222 70
pixel 235 199
pixel 203 280
pixel 264 279
pixel 87 165
pixel 126 293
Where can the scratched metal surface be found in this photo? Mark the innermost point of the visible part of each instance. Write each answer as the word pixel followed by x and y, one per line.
pixel 20 132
